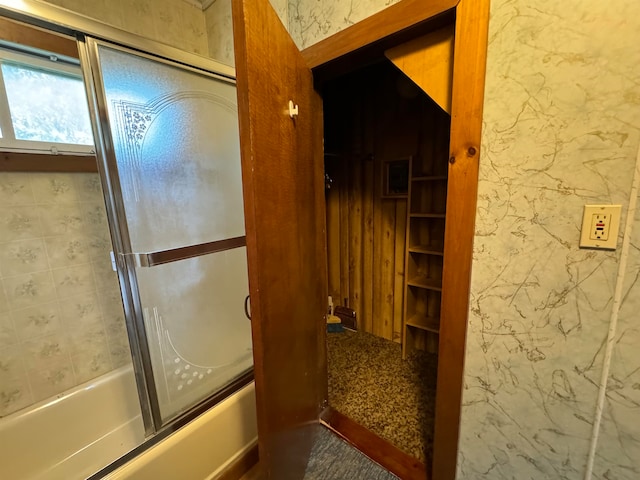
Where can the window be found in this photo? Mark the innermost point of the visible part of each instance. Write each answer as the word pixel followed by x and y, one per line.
pixel 43 106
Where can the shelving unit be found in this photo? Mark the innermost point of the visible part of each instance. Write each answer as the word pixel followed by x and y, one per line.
pixel 424 256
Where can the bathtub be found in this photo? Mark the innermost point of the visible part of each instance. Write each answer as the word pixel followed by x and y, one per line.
pixel 74 435
pixel 84 430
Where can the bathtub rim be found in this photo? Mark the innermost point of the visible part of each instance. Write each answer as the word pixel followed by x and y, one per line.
pixel 187 417
pixel 80 389
pixel 150 441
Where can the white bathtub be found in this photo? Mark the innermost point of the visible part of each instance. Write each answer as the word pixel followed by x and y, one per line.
pixel 86 429
pixel 76 434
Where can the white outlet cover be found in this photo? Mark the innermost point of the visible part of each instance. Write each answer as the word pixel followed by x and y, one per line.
pixel 612 213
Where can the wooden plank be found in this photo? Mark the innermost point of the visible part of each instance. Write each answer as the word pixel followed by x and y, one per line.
pixel 345 233
pixel 333 233
pixel 399 273
pixel 377 449
pixel 355 238
pixel 469 65
pixel 428 61
pixel 367 241
pixel 35 162
pixel 405 303
pixel 376 281
pixel 284 202
pixel 390 21
pixel 388 226
pixel 367 112
pixel 18 32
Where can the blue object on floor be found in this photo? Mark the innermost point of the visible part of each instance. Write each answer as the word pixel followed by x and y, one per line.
pixel 335 328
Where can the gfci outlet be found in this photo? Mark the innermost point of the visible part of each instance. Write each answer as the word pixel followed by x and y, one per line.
pixel 600 224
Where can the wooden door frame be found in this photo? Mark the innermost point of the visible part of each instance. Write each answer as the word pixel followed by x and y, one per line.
pixel 469 66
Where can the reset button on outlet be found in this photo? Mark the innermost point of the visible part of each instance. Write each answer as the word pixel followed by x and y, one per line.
pixel 600 225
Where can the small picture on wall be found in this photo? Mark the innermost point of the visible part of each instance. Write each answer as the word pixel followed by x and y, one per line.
pixel 395 178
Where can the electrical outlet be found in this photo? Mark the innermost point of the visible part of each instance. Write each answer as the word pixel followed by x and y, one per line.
pixel 600 225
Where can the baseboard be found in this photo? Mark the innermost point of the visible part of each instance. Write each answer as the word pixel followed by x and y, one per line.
pixel 240 466
pixel 377 449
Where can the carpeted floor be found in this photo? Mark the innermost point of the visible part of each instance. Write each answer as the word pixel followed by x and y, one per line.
pixel 371 384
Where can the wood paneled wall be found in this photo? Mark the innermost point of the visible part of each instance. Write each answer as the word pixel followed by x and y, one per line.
pixel 371 116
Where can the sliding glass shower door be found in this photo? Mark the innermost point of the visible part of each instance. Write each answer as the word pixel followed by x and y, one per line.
pixel 170 149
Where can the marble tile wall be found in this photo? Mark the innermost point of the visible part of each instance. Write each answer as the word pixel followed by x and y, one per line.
pixel 561 129
pixel 177 23
pixel 618 447
pixel 311 21
pixel 61 317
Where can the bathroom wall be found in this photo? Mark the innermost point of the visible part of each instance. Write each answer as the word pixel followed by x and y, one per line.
pixel 61 318
pixel 311 21
pixel 220 28
pixel 179 23
pixel 561 130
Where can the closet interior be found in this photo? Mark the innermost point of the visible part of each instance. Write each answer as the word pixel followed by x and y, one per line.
pixel 386 162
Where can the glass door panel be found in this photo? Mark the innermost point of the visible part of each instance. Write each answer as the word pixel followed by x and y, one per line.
pixel 171 151
pixel 176 142
pixel 193 312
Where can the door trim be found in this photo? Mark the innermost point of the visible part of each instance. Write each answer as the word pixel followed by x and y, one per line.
pixel 469 66
pixel 389 22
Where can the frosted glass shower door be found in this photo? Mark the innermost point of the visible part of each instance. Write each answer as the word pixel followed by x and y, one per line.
pixel 172 148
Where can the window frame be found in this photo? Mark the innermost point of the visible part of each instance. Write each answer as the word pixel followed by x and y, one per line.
pixel 50 63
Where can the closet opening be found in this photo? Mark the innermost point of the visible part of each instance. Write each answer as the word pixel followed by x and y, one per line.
pixel 386 162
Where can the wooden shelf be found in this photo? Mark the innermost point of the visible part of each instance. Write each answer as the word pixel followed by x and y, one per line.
pixel 426 249
pixel 429 324
pixel 424 259
pixel 427 215
pixel 429 178
pixel 426 283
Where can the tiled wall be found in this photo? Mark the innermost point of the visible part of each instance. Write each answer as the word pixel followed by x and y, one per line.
pixel 61 317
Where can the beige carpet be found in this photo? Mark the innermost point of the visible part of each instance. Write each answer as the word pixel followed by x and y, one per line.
pixel 371 384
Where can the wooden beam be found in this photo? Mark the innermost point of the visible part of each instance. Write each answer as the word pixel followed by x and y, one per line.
pixel 428 61
pixel 390 21
pixel 36 162
pixel 17 32
pixel 469 65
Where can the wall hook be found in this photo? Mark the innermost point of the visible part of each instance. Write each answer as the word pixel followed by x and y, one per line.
pixel 293 109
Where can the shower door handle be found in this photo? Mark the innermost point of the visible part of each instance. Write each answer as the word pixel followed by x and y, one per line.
pixel 151 259
pixel 247 306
